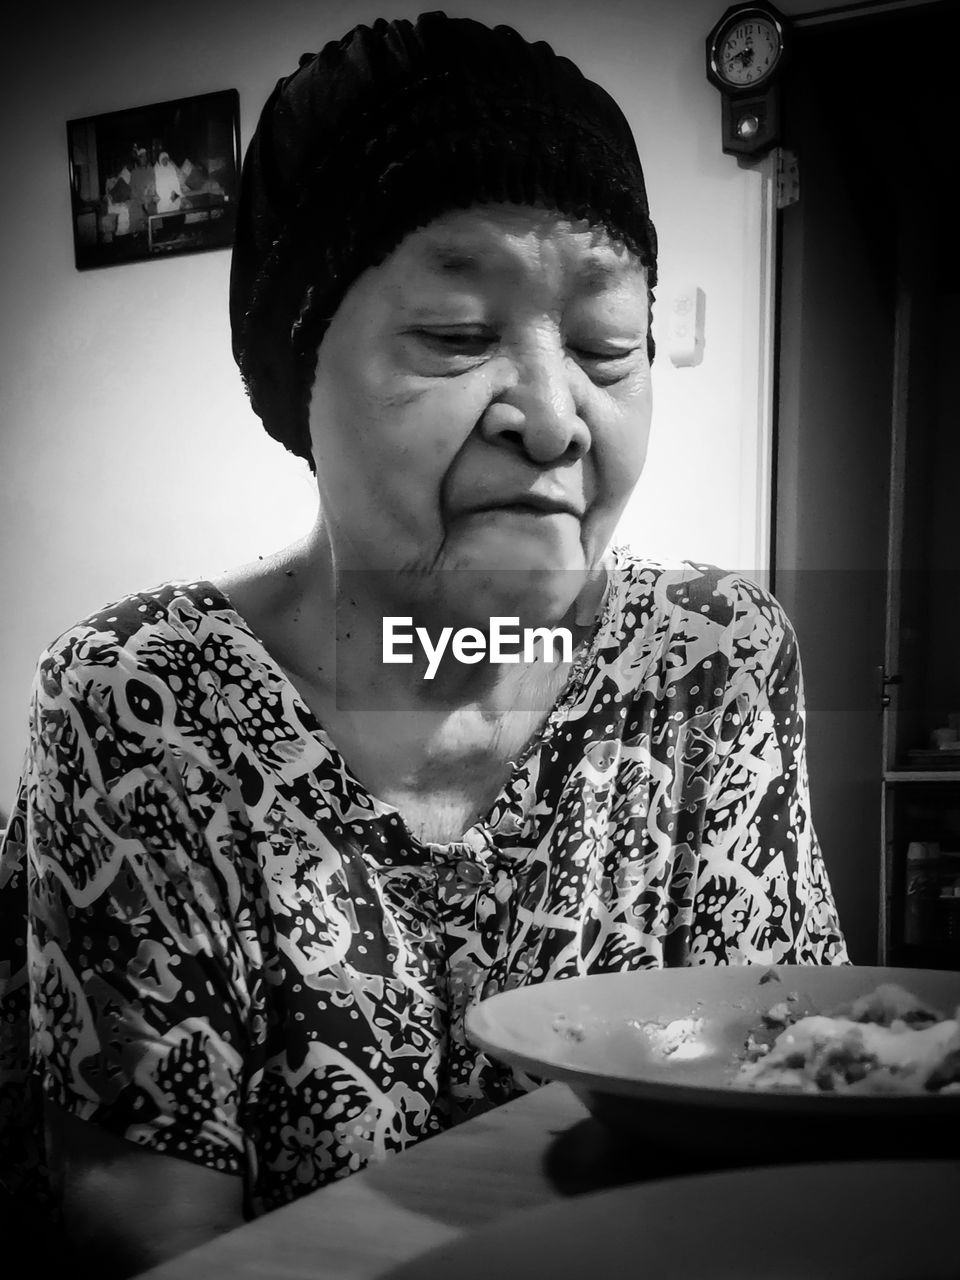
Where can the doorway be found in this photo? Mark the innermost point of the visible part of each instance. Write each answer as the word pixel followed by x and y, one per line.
pixel 870 109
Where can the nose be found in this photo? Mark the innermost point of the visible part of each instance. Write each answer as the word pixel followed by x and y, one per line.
pixel 538 410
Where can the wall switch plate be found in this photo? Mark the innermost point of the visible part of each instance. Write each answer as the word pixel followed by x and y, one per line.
pixel 687 307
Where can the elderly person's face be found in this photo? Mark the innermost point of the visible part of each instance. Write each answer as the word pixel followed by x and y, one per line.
pixel 482 402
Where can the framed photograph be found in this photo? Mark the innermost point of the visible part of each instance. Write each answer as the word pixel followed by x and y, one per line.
pixel 154 181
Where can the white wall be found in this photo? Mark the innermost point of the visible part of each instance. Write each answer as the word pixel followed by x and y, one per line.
pixel 128 453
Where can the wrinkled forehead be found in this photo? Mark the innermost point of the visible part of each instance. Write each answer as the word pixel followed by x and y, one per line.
pixel 511 243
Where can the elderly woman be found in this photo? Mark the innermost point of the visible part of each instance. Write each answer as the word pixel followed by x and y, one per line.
pixel 266 870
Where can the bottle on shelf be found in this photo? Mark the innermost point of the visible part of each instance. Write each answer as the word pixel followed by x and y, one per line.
pixel 922 892
pixel 948 923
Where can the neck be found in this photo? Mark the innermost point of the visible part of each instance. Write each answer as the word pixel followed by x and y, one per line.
pixel 351 656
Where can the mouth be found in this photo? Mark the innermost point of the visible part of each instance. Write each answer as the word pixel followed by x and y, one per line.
pixel 530 505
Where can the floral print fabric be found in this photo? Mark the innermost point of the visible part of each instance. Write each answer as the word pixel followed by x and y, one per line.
pixel 238 956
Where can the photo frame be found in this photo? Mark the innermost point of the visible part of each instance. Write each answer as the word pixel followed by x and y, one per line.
pixel 154 181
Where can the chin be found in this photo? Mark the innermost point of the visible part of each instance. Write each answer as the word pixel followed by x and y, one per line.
pixel 514 573
pixel 536 594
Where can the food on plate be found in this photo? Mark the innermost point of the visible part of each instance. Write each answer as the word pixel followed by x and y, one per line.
pixel 567 1029
pixel 887 1041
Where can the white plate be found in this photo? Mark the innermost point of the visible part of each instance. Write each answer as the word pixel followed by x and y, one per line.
pixel 657 1052
pixel 847 1221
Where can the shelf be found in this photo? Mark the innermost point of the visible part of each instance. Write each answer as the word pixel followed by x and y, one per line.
pixel 922 775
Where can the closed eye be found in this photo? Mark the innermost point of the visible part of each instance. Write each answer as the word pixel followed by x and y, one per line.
pixel 603 353
pixel 456 341
pixel 607 365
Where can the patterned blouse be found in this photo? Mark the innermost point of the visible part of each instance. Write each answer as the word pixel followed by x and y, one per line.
pixel 240 957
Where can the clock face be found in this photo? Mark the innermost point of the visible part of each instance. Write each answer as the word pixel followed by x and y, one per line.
pixel 748 50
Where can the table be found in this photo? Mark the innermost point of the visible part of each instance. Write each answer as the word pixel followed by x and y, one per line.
pixel 190 223
pixel 357 1228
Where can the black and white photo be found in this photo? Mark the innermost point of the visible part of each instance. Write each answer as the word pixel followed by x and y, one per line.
pixel 154 180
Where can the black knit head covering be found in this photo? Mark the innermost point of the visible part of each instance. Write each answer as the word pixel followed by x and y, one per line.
pixel 380 133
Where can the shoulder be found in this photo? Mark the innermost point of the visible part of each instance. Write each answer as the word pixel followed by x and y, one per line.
pixel 726 598
pixel 688 613
pixel 269 595
pixel 161 632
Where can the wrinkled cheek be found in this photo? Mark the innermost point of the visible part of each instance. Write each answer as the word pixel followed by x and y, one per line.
pixel 628 459
pixel 405 500
pixel 618 471
pixel 620 466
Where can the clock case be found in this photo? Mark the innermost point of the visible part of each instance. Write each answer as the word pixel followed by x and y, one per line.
pixel 761 101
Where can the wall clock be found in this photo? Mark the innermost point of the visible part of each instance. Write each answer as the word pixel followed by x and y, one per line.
pixel 746 51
